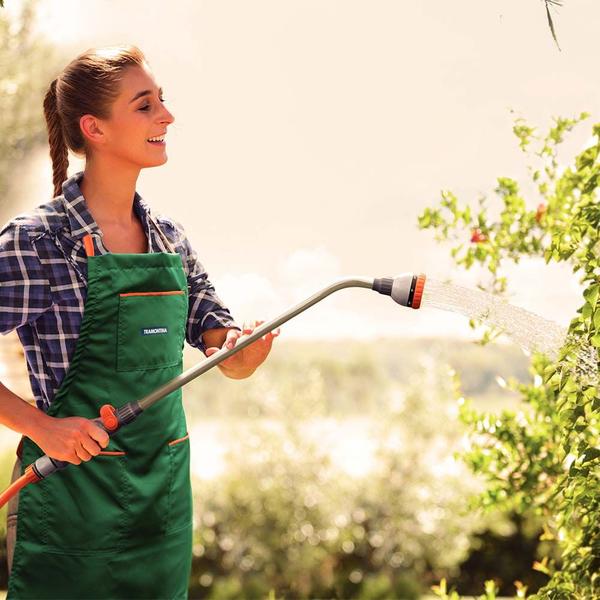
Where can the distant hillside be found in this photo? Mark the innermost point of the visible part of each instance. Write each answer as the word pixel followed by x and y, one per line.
pixel 351 377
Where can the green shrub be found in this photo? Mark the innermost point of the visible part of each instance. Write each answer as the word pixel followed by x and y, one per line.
pixel 544 458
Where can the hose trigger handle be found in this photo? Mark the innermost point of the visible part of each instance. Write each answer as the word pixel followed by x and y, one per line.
pixel 112 418
pixel 108 415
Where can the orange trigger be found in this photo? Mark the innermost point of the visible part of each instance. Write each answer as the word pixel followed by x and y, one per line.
pixel 108 414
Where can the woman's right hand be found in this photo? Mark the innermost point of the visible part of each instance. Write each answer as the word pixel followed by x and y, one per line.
pixel 72 439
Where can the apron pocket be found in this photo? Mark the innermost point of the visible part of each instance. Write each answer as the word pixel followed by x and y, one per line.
pixel 151 329
pixel 87 506
pixel 180 506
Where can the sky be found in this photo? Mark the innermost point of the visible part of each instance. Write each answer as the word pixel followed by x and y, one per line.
pixel 309 135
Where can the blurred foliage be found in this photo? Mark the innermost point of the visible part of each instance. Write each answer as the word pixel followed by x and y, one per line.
pixel 544 458
pixel 283 517
pixel 7 463
pixel 27 66
pixel 288 517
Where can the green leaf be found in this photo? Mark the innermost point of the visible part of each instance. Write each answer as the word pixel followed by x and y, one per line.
pixel 591 294
pixel 590 454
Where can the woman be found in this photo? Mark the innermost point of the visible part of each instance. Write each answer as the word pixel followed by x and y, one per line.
pixel 103 294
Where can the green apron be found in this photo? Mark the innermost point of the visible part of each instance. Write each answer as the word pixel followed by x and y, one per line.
pixel 120 524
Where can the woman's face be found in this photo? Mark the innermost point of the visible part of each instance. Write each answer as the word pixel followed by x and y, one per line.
pixel 136 117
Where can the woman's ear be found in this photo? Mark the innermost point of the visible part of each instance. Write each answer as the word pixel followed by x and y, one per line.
pixel 91 130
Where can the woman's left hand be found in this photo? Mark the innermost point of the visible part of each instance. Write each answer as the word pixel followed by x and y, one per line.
pixel 243 363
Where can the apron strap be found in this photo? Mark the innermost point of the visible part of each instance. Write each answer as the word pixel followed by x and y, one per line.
pixel 88 244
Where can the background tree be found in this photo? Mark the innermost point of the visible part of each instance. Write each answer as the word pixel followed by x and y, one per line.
pixel 27 65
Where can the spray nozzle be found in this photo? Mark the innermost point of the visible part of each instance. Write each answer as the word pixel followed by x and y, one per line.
pixel 405 289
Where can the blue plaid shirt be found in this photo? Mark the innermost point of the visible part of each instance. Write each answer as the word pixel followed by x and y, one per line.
pixel 43 282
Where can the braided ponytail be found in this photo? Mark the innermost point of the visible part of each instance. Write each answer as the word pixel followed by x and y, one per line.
pixel 89 84
pixel 58 148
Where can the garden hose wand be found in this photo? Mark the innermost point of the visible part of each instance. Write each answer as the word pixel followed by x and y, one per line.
pixel 406 289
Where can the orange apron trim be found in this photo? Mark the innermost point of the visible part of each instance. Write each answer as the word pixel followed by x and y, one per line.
pixel 172 293
pixel 107 453
pixel 179 440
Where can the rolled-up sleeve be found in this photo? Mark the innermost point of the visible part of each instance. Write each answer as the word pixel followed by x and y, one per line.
pixel 24 288
pixel 206 310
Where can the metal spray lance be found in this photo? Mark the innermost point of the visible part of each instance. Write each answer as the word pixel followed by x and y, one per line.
pixel 405 289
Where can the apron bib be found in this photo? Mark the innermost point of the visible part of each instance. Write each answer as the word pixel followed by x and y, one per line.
pixel 119 525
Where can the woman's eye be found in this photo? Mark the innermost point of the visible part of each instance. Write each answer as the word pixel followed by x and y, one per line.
pixel 148 106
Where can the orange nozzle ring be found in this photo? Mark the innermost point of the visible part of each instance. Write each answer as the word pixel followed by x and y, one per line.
pixel 419 287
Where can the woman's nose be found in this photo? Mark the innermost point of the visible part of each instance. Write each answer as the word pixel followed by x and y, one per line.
pixel 168 116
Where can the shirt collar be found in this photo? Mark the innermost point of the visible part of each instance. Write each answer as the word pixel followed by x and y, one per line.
pixel 81 221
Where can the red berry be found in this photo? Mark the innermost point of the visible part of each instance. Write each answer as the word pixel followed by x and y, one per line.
pixel 541 210
pixel 477 237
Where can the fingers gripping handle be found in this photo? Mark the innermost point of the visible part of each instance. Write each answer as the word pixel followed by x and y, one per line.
pixel 111 419
pixel 46 465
